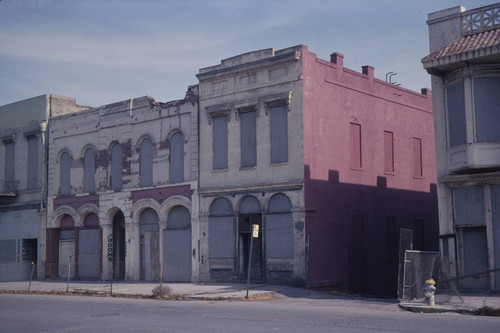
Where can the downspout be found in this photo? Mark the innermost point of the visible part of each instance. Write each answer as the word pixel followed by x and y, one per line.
pixel 44 192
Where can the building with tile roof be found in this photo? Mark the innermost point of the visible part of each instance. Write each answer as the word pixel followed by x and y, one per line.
pixel 465 66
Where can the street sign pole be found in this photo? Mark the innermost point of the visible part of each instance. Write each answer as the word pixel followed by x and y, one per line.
pixel 255 234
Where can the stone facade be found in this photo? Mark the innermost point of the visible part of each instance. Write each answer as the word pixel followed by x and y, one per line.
pixel 327 161
pixel 122 179
pixel 465 66
pixel 23 183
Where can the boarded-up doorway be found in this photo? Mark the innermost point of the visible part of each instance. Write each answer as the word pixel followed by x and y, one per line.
pixel 177 246
pixel 150 251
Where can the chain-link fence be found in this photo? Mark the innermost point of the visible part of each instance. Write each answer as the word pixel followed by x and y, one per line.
pixel 418 267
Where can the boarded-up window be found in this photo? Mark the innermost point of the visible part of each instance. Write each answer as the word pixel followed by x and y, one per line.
pixel 248 138
pixel 221 229
pixel 468 206
pixel 279 228
pixel 8 250
pixel 64 174
pixel 417 157
pixel 89 171
pixel 220 142
pixel 146 163
pixel 388 152
pixel 475 256
pixel 487 109
pixel 355 143
pixel 176 158
pixel 456 114
pixel 495 210
pixel 116 167
pixel 279 134
pixel 10 166
pixel 32 162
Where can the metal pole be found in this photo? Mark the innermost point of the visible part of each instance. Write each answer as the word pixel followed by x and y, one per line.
pixel 112 273
pixel 69 274
pixel 249 263
pixel 161 286
pixel 32 272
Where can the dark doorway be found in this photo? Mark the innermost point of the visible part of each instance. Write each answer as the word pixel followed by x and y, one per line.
pixel 245 222
pixel 119 246
pixel 30 257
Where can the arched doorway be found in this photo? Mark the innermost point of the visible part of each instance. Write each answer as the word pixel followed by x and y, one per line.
pixel 119 246
pixel 67 248
pixel 150 249
pixel 221 240
pixel 249 214
pixel 89 248
pixel 177 246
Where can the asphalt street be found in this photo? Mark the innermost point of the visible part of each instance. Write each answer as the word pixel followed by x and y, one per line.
pixel 51 313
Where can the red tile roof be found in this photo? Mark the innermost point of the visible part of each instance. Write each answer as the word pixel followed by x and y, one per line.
pixel 472 46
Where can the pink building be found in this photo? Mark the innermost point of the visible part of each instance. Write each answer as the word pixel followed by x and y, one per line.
pixel 369 167
pixel 331 163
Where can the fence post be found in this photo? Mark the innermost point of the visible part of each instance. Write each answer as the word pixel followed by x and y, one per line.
pixel 69 274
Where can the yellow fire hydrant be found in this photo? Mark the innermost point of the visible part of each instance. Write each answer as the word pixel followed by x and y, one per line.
pixel 430 291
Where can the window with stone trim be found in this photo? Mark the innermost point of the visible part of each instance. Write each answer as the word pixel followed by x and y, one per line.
pixel 64 174
pixel 279 132
pixel 220 142
pixel 248 123
pixel 176 158
pixel 146 163
pixel 89 171
pixel 10 166
pixel 116 167
pixel 32 162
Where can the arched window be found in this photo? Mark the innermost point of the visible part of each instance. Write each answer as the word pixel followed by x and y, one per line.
pixel 221 229
pixel 116 167
pixel 279 228
pixel 64 174
pixel 176 158
pixel 146 163
pixel 89 171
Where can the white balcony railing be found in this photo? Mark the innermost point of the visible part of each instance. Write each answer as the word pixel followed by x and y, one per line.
pixel 481 19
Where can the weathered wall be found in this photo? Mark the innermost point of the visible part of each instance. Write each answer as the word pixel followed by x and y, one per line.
pixel 127 123
pixel 252 80
pixel 349 204
pixel 22 201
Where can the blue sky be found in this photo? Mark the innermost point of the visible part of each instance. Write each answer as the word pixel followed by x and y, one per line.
pixel 101 52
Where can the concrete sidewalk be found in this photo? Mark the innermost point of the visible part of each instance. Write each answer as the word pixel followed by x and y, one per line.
pixel 237 291
pixel 454 303
pixel 202 291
